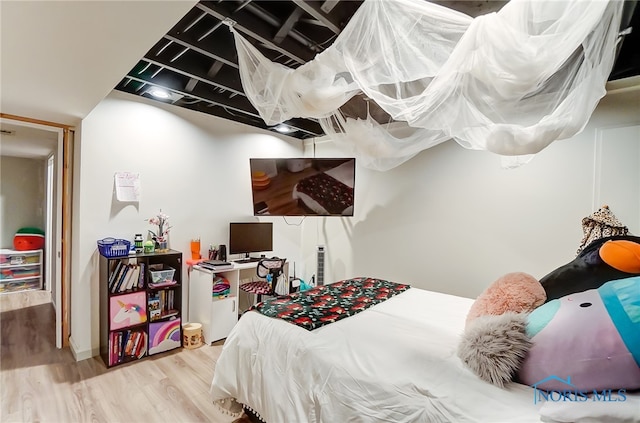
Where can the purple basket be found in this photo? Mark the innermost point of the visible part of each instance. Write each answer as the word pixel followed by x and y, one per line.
pixel 112 247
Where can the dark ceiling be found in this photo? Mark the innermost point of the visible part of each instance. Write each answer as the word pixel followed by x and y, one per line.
pixel 197 62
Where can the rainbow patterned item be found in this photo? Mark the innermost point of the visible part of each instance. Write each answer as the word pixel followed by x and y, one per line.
pixel 164 336
pixel 127 310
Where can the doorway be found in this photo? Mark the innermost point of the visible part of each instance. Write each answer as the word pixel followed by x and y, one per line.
pixel 46 142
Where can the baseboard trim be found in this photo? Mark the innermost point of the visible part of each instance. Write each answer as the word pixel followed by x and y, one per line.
pixel 81 355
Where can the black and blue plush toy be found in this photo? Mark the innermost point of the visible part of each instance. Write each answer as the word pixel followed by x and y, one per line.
pixel 603 260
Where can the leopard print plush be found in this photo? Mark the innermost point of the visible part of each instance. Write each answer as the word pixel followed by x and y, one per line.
pixel 600 224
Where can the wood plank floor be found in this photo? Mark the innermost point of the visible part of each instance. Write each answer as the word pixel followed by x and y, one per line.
pixel 39 383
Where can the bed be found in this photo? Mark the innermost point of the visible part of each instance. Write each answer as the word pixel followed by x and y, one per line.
pixel 393 362
pixel 329 192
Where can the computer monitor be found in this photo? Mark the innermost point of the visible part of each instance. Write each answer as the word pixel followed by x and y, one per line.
pixel 250 237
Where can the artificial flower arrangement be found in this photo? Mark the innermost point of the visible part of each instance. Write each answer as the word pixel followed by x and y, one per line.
pixel 162 221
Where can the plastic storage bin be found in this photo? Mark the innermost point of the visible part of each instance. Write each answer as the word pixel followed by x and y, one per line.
pixel 112 247
pixel 164 276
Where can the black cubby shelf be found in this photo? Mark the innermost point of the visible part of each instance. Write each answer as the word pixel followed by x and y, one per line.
pixel 136 320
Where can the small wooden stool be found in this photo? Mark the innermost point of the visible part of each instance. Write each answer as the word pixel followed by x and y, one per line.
pixel 192 336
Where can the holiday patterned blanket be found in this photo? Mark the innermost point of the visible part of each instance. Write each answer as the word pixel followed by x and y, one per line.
pixel 330 193
pixel 326 304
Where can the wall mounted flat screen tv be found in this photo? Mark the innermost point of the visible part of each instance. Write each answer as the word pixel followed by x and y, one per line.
pixel 303 186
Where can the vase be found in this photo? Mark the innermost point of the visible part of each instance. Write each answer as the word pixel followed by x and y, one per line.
pixel 162 245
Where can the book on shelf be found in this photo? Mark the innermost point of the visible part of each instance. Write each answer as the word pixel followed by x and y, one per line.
pixel 141 276
pixel 121 345
pixel 117 346
pixel 136 277
pixel 129 345
pixel 126 344
pixel 134 346
pixel 161 305
pixel 114 272
pixel 123 278
pixel 141 348
pixel 135 274
pixel 126 277
pixel 127 283
pixel 112 351
pixel 153 304
pixel 119 278
pixel 115 276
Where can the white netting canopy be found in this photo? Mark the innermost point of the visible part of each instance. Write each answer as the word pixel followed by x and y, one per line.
pixel 405 75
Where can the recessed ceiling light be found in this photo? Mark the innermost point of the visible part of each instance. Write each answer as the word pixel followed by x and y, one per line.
pixel 159 93
pixel 284 129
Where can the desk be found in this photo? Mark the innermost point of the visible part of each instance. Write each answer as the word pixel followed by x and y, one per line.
pixel 218 315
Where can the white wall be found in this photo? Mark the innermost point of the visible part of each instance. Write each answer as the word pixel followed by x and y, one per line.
pixel 192 166
pixel 452 220
pixel 22 194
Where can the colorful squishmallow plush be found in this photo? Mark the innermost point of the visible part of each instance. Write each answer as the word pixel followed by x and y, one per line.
pixel 604 260
pixel 591 338
pixel 493 346
pixel 28 239
pixel 494 342
pixel 516 292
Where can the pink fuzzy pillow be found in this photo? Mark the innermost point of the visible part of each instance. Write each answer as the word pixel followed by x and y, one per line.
pixel 517 292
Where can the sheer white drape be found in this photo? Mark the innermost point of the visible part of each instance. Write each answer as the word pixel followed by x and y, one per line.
pixel 406 75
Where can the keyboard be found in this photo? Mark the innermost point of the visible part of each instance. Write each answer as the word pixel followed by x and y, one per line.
pixel 216 263
pixel 249 260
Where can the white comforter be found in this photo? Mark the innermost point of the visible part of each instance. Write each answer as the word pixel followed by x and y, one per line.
pixel 394 362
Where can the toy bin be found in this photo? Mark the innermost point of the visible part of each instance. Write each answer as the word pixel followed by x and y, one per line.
pixel 164 336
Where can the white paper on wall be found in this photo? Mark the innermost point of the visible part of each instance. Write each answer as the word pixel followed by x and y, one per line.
pixel 127 186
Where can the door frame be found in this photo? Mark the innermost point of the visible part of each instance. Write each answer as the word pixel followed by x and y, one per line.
pixel 62 224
